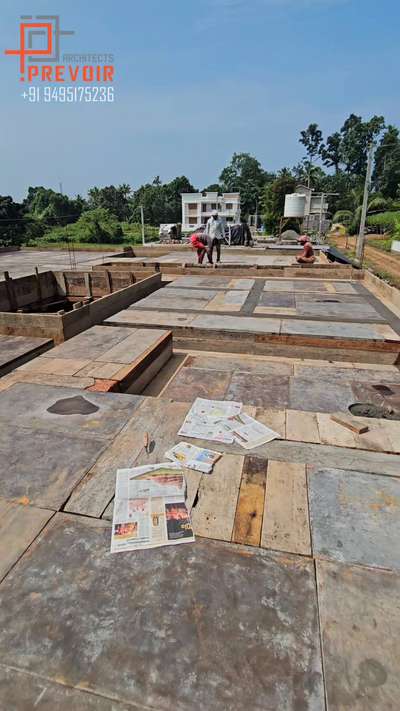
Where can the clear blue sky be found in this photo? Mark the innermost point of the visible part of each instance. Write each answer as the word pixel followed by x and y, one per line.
pixel 196 81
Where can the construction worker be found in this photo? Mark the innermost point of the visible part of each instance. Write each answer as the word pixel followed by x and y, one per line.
pixel 215 232
pixel 198 241
pixel 307 255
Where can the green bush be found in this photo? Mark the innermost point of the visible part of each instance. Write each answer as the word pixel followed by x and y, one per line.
pixel 93 227
pixel 385 222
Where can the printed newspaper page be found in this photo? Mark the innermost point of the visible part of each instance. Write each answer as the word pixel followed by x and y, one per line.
pixel 248 432
pixel 204 419
pixel 150 508
pixel 197 458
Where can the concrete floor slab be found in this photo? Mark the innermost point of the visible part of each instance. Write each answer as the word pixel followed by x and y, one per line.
pixel 244 324
pixel 332 330
pixel 170 292
pixel 20 690
pixel 326 310
pixel 16 350
pixel 360 625
pixel 195 382
pixel 24 261
pixel 144 317
pixel 42 467
pixel 19 526
pixel 320 395
pixel 126 641
pixel 90 344
pixel 29 405
pixel 259 390
pixel 201 282
pixel 355 517
pixel 242 364
pixel 285 300
pixel 339 374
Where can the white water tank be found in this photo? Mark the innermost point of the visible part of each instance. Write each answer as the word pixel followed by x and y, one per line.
pixel 295 205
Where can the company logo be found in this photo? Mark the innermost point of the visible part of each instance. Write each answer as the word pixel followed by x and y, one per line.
pixel 40 61
pixel 39 41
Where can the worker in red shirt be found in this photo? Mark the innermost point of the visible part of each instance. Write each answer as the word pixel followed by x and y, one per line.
pixel 307 256
pixel 198 245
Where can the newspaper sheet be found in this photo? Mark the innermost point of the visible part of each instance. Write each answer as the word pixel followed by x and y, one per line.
pixel 150 508
pixel 204 419
pixel 224 422
pixel 248 432
pixel 197 458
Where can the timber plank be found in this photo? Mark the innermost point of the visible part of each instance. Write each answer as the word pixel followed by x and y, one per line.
pixel 96 489
pixel 275 419
pixel 214 513
pixel 286 525
pixel 250 508
pixel 19 526
pixel 302 426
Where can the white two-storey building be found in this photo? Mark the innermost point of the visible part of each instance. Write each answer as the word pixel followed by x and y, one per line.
pixel 198 207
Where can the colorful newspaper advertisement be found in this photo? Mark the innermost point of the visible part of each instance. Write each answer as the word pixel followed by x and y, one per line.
pixel 192 457
pixel 248 432
pixel 150 509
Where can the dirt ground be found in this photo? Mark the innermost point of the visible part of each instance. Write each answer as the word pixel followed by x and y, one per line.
pixel 384 264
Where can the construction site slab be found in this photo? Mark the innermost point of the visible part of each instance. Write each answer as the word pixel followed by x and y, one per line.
pixel 355 517
pixel 19 526
pixel 279 384
pixel 16 350
pixel 272 319
pixel 42 467
pixel 87 414
pixel 20 690
pixel 23 261
pixel 131 358
pixel 360 625
pixel 139 624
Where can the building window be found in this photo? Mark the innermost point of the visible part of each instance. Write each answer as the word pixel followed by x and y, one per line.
pixel 192 205
pixel 213 205
pixel 229 206
pixel 204 207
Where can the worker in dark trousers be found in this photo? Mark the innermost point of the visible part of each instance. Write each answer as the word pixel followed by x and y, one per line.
pixel 215 232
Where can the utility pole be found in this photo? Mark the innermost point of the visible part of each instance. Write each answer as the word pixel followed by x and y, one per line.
pixel 321 207
pixel 361 235
pixel 142 220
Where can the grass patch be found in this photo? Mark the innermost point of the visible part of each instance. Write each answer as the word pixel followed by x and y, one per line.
pixel 383 244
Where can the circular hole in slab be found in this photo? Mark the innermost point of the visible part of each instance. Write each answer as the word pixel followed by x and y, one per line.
pixel 369 409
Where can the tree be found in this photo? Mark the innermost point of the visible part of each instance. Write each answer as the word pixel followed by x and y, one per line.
pixel 213 188
pixel 51 208
pixel 386 175
pixel 331 151
pixel 173 197
pixel 244 174
pixel 115 199
pixel 273 197
pixel 160 202
pixel 11 222
pixel 311 139
pixel 304 172
pixel 356 139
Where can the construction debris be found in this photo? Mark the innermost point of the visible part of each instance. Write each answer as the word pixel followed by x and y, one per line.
pixel 348 422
